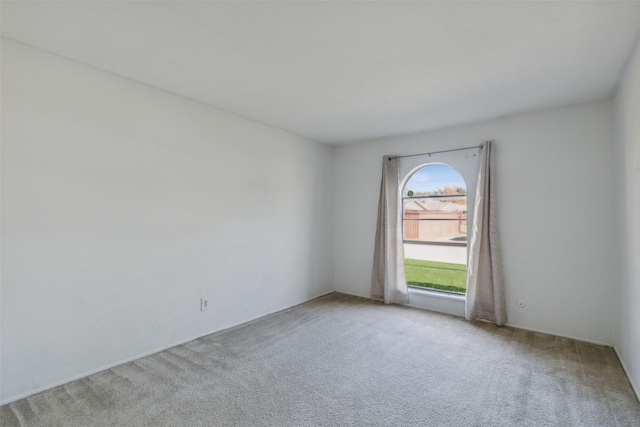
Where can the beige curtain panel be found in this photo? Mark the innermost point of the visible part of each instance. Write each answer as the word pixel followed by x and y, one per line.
pixel 388 282
pixel 485 284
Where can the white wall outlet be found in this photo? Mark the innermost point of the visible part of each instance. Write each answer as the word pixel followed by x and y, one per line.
pixel 204 304
pixel 520 303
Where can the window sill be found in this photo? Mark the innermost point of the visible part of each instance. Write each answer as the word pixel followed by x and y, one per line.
pixel 437 294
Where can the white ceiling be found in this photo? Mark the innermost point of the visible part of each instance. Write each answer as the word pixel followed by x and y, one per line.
pixel 339 72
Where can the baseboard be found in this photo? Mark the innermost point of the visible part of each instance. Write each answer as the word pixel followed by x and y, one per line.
pixel 149 353
pixel 555 334
pixel 353 295
pixel 158 350
pixel 636 390
pixel 508 324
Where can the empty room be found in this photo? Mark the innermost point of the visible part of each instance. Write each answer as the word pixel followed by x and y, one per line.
pixel 320 213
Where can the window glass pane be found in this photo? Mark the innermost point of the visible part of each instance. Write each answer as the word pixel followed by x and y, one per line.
pixel 436 275
pixel 435 208
pixel 434 212
pixel 435 179
pixel 450 231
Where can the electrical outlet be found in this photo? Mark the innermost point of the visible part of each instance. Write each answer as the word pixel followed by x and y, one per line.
pixel 204 304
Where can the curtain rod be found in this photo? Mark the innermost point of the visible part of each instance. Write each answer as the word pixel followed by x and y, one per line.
pixel 437 152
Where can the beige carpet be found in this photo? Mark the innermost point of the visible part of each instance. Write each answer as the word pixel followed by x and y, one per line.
pixel 348 361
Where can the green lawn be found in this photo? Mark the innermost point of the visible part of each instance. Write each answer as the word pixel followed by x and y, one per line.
pixel 436 275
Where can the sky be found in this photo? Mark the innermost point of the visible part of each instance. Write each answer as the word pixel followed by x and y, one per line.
pixel 434 177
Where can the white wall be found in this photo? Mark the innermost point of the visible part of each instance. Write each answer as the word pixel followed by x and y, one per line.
pixel 556 213
pixel 627 337
pixel 122 205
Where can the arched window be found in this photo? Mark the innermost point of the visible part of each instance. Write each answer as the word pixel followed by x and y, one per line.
pixel 434 219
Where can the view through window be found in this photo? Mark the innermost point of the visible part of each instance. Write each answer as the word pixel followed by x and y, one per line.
pixel 434 217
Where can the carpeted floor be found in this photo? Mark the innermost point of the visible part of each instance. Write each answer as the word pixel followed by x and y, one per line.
pixel 346 361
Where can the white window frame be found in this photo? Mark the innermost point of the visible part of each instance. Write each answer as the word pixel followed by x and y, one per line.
pixel 465 162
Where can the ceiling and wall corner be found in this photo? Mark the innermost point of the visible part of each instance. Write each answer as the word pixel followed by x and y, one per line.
pixel 340 72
